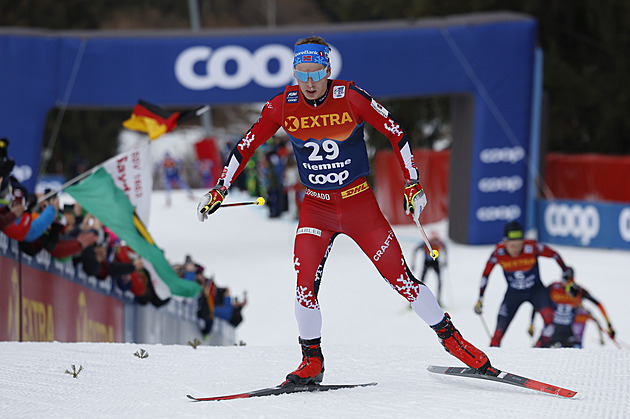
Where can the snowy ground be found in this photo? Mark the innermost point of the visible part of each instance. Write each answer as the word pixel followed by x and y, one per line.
pixel 368 335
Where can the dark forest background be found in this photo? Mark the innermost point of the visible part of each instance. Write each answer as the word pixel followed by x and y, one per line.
pixel 586 48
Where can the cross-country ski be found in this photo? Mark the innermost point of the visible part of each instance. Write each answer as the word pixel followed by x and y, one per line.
pixel 279 390
pixel 504 377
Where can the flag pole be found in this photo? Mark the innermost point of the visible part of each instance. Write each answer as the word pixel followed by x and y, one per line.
pixel 201 110
pixel 70 182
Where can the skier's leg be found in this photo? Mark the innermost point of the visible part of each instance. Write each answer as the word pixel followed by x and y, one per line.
pixel 310 254
pixel 312 246
pixel 510 304
pixel 425 268
pixel 541 301
pixel 436 267
pixel 579 323
pixel 167 189
pixel 381 245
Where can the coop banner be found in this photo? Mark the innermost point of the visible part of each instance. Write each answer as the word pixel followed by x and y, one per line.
pixel 587 224
pixel 486 57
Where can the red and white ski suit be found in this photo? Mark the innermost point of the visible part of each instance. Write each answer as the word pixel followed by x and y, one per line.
pixel 327 139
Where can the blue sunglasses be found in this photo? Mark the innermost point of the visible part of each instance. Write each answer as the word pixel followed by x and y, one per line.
pixel 315 75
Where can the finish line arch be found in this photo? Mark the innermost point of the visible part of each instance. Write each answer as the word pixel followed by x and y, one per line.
pixel 487 60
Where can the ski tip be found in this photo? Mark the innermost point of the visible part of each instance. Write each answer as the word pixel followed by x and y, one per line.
pixel 192 398
pixel 567 393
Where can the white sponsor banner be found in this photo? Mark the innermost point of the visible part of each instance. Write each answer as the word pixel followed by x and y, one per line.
pixel 131 172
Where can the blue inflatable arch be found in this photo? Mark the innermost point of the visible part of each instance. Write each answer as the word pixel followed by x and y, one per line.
pixel 484 61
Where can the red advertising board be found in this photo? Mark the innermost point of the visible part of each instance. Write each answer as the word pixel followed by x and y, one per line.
pixel 434 177
pixel 9 299
pixel 52 308
pixel 589 177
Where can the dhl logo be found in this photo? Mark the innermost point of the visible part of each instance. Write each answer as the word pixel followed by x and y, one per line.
pixel 293 123
pixel 354 191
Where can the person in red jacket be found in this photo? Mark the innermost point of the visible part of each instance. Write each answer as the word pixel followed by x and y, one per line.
pixel 324 119
pixel 570 315
pixel 519 259
pixel 13 211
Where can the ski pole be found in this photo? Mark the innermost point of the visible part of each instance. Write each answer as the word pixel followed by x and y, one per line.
pixel 623 344
pixel 485 326
pixel 259 201
pixel 601 329
pixel 434 253
pixel 611 338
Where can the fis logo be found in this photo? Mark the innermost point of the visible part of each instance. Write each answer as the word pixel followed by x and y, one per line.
pixel 339 92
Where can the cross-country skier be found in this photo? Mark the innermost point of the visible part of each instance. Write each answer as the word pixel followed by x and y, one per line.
pixel 570 316
pixel 519 259
pixel 429 262
pixel 171 167
pixel 324 119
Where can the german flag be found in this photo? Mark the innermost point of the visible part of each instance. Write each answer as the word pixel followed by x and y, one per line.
pixel 156 121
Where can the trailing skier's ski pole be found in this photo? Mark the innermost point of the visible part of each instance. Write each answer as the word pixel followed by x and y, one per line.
pixel 434 253
pixel 485 325
pixel 259 201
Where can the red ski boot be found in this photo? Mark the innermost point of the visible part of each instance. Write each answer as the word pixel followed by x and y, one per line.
pixel 457 346
pixel 311 370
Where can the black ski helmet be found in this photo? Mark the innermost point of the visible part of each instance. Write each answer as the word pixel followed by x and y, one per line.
pixel 513 231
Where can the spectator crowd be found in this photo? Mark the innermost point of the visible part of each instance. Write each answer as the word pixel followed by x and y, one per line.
pixel 215 302
pixel 39 223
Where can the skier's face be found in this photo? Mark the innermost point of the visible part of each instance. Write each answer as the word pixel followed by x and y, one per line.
pixel 312 89
pixel 514 247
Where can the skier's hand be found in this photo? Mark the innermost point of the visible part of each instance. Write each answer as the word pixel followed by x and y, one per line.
pixel 530 330
pixel 211 202
pixel 479 306
pixel 611 331
pixel 572 289
pixel 415 199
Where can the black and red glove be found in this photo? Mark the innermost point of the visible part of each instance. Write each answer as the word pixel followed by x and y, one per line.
pixel 415 199
pixel 211 202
